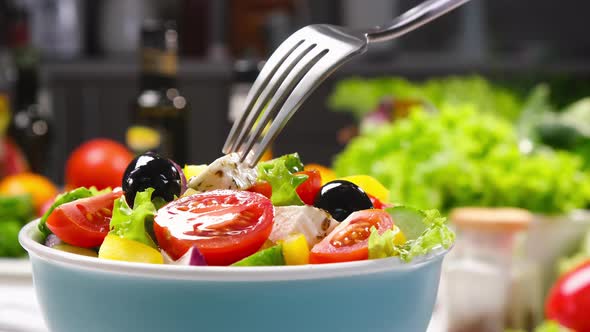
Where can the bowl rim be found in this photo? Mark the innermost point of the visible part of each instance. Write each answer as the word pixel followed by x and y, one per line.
pixel 29 235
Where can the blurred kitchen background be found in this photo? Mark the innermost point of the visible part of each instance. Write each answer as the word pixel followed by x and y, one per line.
pixel 86 56
pixel 502 84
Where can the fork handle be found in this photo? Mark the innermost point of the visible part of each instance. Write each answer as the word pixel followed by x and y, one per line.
pixel 412 19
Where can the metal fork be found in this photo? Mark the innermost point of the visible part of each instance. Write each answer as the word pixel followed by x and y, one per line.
pixel 300 64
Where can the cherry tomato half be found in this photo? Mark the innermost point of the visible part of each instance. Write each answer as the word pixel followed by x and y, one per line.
pixel 262 187
pixel 308 190
pixel 349 240
pixel 225 225
pixel 568 302
pixel 84 222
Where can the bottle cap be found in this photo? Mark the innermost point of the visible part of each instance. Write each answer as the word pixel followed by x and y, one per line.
pixel 501 219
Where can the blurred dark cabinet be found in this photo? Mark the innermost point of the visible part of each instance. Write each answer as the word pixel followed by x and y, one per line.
pixel 92 99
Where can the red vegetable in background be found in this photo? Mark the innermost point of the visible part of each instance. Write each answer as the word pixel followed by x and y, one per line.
pixel 99 163
pixel 568 302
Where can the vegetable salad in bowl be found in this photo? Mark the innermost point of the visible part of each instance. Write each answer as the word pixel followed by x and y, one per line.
pixel 227 214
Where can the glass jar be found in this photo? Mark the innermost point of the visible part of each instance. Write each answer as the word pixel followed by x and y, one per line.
pixel 488 286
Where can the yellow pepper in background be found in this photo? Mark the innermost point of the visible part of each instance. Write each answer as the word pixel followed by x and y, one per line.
pixel 326 173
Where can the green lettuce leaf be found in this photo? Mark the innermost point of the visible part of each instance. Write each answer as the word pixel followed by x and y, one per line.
pixel 435 234
pixel 67 197
pixel 131 223
pixel 381 245
pixel 360 96
pixel 279 172
pixel 462 157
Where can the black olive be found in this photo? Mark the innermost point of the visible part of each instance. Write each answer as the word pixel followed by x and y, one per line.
pixel 149 170
pixel 341 198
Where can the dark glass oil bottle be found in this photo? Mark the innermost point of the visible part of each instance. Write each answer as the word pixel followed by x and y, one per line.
pixel 159 114
pixel 31 125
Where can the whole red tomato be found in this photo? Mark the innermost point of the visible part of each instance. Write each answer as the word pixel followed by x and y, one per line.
pixel 99 162
pixel 568 302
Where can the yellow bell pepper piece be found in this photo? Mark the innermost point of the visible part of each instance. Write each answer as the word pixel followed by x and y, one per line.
pixel 75 250
pixel 326 173
pixel 120 249
pixel 370 185
pixel 189 191
pixel 399 238
pixel 193 170
pixel 295 250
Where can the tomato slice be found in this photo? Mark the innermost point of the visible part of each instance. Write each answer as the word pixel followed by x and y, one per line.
pixel 262 187
pixel 84 222
pixel 308 190
pixel 568 302
pixel 225 225
pixel 349 240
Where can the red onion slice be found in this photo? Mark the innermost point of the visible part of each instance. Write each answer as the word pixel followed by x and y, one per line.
pixel 52 240
pixel 183 182
pixel 192 257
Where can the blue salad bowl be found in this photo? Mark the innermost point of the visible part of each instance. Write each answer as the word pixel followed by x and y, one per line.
pixel 78 293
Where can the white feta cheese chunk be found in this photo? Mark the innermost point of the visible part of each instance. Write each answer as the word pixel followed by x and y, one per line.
pixel 310 221
pixel 226 172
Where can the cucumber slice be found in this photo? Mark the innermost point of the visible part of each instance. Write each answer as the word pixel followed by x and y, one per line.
pixel 272 256
pixel 409 221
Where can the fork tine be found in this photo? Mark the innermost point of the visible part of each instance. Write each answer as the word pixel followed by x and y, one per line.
pixel 267 72
pixel 295 75
pixel 319 70
pixel 261 105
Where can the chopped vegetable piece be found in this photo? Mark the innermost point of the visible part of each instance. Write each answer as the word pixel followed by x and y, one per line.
pixel 76 250
pixel 437 234
pixel 349 240
pixel 64 198
pixel 226 225
pixel 280 173
pixel 272 256
pixel 131 223
pixel 120 249
pixel 370 185
pixel 84 222
pixel 382 246
pixel 296 250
